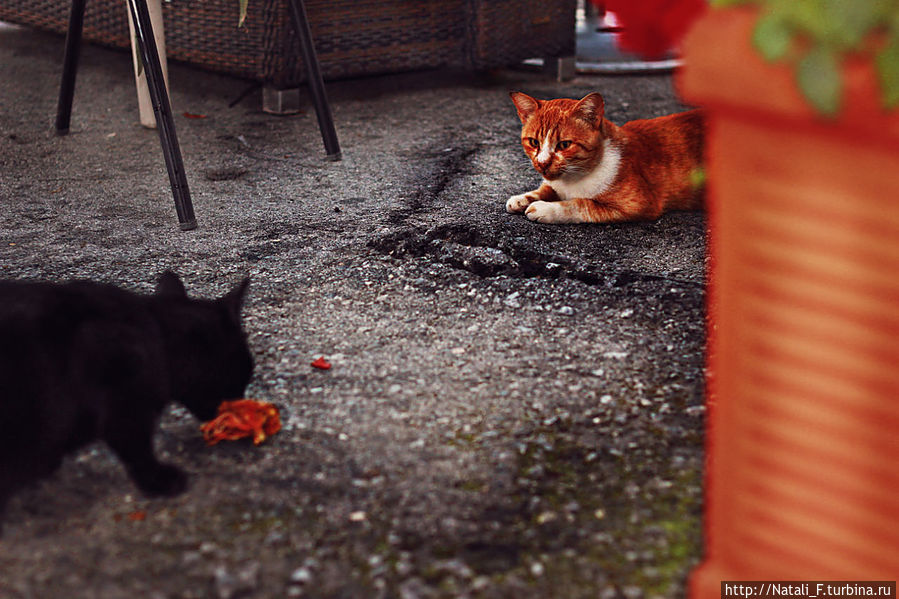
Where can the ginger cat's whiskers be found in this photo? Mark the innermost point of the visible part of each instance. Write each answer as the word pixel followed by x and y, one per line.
pixel 573 169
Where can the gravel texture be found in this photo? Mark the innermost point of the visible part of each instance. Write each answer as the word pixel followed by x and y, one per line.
pixel 514 410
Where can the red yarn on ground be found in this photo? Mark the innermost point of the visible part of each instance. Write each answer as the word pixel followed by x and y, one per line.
pixel 242 418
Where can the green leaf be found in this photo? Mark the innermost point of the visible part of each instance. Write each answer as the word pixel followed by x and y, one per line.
pixel 697 177
pixel 726 3
pixel 891 16
pixel 848 22
pixel 805 16
pixel 818 75
pixel 243 12
pixel 888 69
pixel 772 37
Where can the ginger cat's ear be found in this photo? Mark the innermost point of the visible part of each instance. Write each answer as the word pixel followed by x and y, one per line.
pixel 525 104
pixel 590 109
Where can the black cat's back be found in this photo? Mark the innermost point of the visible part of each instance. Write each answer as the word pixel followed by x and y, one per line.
pixel 56 342
pixel 83 361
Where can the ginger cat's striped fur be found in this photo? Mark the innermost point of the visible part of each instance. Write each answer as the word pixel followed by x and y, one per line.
pixel 597 172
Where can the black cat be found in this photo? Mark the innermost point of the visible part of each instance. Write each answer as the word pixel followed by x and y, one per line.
pixel 83 361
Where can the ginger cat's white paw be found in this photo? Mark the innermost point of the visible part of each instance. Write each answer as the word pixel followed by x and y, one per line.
pixel 547 212
pixel 519 203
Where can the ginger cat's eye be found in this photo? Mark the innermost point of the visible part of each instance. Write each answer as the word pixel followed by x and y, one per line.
pixel 535 143
pixel 564 144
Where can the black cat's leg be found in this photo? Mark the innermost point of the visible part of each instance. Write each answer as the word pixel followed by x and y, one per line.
pixel 10 478
pixel 132 440
pixel 4 497
pixel 10 482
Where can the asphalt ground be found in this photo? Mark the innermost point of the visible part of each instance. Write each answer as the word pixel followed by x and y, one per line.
pixel 514 409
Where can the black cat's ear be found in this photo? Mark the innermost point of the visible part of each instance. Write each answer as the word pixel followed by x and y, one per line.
pixel 170 285
pixel 234 299
pixel 590 109
pixel 525 105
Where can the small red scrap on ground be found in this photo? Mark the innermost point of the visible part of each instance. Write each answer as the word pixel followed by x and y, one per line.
pixel 138 516
pixel 242 418
pixel 321 364
pixel 191 115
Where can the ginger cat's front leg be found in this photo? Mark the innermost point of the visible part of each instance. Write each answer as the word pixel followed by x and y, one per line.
pixel 574 211
pixel 519 203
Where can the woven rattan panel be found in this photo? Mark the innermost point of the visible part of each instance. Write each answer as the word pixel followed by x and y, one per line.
pixel 353 37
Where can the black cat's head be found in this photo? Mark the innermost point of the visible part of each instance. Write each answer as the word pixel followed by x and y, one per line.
pixel 210 359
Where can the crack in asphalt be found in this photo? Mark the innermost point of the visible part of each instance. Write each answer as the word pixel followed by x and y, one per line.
pixel 450 164
pixel 488 254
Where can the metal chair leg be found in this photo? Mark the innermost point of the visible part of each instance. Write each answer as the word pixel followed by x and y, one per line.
pixel 165 124
pixel 70 67
pixel 316 85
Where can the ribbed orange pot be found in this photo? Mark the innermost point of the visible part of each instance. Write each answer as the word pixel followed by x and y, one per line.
pixel 802 479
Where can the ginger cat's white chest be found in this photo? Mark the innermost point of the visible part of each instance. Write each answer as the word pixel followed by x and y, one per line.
pixel 594 183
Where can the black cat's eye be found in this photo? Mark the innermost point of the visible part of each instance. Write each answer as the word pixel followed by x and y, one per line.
pixel 535 143
pixel 564 144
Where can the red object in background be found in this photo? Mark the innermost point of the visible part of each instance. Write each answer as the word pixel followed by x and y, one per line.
pixel 802 477
pixel 651 28
pixel 321 363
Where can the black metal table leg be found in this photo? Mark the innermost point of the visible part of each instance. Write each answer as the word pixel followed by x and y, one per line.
pixel 165 124
pixel 313 73
pixel 70 67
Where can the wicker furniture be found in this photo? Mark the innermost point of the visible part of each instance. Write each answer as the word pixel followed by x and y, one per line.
pixel 352 37
pixel 146 42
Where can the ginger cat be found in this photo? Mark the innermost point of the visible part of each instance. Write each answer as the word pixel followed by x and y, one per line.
pixel 597 172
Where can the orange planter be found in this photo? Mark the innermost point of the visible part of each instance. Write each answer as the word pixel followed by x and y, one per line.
pixel 803 417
